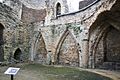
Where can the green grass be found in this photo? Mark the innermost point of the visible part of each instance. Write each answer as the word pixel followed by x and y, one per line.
pixel 40 72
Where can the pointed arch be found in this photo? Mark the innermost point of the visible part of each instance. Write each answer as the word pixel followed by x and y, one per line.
pixel 39 49
pixel 100 40
pixel 67 51
pixel 60 42
pixel 18 54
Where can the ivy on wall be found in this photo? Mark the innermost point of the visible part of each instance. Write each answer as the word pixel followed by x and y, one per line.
pixel 74 26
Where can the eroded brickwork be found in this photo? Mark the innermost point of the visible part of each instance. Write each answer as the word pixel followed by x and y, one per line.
pixel 31 15
pixel 68 54
pixel 112 45
pixel 41 52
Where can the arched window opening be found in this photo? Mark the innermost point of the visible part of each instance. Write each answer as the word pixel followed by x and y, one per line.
pixel 17 55
pixel 58 9
pixel 1 43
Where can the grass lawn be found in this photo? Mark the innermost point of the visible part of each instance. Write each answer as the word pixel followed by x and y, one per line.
pixel 40 72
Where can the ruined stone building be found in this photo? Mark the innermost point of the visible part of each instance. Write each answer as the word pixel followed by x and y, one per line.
pixel 86 35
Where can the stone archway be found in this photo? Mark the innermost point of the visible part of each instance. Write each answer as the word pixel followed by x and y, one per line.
pixel 67 50
pixel 1 43
pixel 106 49
pixel 18 55
pixel 40 52
pixel 103 38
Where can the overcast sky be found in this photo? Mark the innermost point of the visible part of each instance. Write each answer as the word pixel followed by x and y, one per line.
pixel 73 5
pixel 1 0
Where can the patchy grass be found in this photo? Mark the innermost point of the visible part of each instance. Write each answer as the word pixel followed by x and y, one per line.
pixel 40 72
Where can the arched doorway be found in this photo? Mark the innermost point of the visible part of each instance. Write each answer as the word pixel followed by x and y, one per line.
pixel 18 55
pixel 107 50
pixel 68 50
pixel 1 43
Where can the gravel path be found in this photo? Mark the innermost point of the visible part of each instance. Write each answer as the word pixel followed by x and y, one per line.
pixel 115 75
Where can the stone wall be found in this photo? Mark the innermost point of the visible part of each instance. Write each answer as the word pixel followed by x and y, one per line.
pixel 34 4
pixel 32 15
pixel 82 38
pixel 54 35
pixel 64 40
pixel 15 34
pixel 76 38
pixel 81 19
pixel 51 8
pixel 16 5
pixel 68 53
pixel 112 45
pixel 81 16
pixel 103 46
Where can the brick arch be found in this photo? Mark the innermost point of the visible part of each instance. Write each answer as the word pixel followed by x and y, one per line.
pixel 1 42
pixel 74 62
pixel 39 49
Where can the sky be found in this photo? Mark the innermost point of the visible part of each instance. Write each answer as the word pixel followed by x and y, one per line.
pixel 1 0
pixel 73 5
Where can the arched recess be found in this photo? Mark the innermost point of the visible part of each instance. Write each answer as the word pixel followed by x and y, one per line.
pixel 67 50
pixel 18 55
pixel 58 9
pixel 107 48
pixel 1 43
pixel 104 43
pixel 39 49
pixel 104 40
pixel 96 32
pixel 112 45
pixel 97 52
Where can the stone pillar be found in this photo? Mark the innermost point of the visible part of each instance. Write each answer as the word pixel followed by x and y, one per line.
pixel 31 54
pixel 53 57
pixel 85 53
pixel 49 57
pixel 32 50
pixel 84 49
pixel 1 53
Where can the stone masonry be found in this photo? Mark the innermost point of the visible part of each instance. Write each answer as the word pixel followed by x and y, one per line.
pixel 88 38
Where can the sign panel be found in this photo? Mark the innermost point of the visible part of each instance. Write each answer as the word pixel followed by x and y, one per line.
pixel 12 71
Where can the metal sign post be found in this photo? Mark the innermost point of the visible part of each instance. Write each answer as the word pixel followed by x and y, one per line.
pixel 12 71
pixel 12 76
